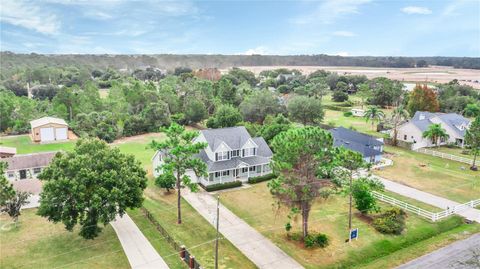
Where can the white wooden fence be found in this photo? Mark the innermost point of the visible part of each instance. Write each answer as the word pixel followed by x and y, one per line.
pixel 422 212
pixel 444 155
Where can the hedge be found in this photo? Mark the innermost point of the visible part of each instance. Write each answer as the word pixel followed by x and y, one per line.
pixel 253 180
pixel 222 186
pixel 337 108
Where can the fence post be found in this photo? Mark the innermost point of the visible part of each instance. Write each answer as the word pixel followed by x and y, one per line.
pixel 182 252
pixel 192 262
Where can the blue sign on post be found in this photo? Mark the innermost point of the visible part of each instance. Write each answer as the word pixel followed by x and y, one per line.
pixel 354 234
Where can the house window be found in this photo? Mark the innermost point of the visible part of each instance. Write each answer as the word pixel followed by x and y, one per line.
pixel 405 137
pixel 244 169
pixel 249 152
pixel 37 170
pixel 226 173
pixel 252 168
pixel 217 174
pixel 259 168
pixel 223 155
pixel 11 174
pixel 235 153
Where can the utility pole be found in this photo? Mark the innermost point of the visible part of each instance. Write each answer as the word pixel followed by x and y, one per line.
pixel 350 206
pixel 216 240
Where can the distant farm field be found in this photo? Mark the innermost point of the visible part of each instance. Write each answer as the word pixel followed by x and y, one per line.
pixel 439 74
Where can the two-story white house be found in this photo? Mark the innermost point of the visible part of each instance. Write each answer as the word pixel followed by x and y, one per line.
pixel 231 155
pixel 412 131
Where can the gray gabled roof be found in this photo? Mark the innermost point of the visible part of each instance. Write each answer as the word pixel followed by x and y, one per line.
pixel 263 149
pixel 362 149
pixel 234 137
pixel 27 161
pixel 341 133
pixel 356 141
pixel 422 125
pixel 422 119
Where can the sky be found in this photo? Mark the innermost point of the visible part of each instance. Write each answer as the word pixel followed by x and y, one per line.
pixel 334 27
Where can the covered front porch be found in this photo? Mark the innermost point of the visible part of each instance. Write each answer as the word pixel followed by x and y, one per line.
pixel 240 173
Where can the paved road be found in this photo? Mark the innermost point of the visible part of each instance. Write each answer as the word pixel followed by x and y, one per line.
pixel 449 256
pixel 471 214
pixel 261 251
pixel 139 251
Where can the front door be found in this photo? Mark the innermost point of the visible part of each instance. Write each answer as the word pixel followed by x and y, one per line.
pixel 23 174
pixel 235 173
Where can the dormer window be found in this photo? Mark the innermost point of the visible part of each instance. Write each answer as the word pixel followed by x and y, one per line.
pixel 247 152
pixel 223 155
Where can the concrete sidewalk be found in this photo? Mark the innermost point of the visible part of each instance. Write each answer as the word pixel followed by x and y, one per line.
pixel 470 214
pixel 139 251
pixel 261 251
pixel 448 257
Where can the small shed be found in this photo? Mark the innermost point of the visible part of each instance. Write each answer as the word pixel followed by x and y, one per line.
pixel 357 112
pixel 49 129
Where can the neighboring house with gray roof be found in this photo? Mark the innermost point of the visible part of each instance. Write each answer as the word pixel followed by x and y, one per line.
pixel 231 155
pixel 370 147
pixel 412 131
pixel 24 166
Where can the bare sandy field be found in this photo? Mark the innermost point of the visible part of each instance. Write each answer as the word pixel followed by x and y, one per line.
pixel 440 74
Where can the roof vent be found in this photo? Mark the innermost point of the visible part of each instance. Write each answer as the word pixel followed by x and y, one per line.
pixel 421 117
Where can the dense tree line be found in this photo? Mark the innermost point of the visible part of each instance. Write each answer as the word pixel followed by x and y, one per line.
pixel 12 61
pixel 148 99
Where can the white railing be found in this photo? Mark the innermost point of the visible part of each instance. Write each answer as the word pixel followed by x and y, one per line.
pixel 444 155
pixel 422 212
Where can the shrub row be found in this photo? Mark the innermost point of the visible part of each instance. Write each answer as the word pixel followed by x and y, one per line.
pixel 253 180
pixel 222 186
pixel 391 221
pixel 337 108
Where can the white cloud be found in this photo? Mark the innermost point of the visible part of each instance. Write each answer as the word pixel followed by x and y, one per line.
pixel 98 15
pixel 344 33
pixel 258 50
pixel 28 15
pixel 416 10
pixel 330 10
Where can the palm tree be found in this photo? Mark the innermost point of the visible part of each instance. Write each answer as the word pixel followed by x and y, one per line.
pixel 373 114
pixel 435 132
pixel 399 115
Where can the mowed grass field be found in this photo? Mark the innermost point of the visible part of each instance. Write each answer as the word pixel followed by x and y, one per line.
pixel 38 243
pixel 256 206
pixel 196 233
pixel 455 151
pixel 445 178
pixel 24 144
pixel 359 124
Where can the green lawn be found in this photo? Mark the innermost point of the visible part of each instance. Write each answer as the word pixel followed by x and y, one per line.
pixel 24 145
pixel 449 179
pixel 193 232
pixel 37 243
pixel 356 123
pixel 255 206
pixel 157 240
pixel 455 151
pixel 413 202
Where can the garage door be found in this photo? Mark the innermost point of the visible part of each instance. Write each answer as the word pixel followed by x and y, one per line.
pixel 46 134
pixel 61 133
